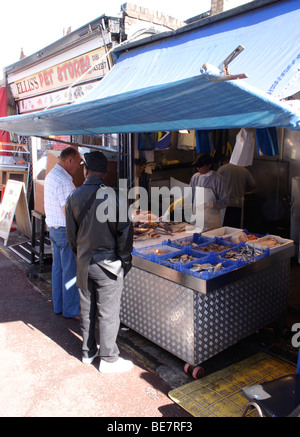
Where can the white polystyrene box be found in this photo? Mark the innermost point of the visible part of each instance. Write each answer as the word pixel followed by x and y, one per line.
pixel 282 243
pixel 223 232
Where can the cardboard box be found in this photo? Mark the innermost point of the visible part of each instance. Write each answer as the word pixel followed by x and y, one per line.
pixel 39 196
pixel 52 159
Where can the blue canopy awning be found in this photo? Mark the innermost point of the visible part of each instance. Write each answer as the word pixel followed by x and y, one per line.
pixel 159 85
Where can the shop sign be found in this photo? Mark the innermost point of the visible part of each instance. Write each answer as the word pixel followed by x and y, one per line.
pixel 56 98
pixel 83 68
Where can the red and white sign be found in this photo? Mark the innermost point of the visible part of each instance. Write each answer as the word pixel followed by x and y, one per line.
pixel 55 98
pixel 83 68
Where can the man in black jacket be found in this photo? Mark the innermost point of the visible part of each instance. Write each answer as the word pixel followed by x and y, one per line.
pixel 101 236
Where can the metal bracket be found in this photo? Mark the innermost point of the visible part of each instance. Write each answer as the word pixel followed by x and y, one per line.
pixel 224 65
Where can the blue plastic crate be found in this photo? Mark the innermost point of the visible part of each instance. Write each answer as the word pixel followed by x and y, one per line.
pixel 175 264
pixel 252 233
pixel 244 248
pixel 212 258
pixel 216 241
pixel 149 251
pixel 186 241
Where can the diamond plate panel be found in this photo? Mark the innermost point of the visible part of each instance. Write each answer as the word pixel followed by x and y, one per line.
pixel 194 326
pixel 229 314
pixel 160 310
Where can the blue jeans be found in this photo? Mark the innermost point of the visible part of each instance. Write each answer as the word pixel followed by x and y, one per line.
pixel 64 290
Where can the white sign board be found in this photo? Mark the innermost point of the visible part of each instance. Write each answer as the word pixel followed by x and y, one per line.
pixel 14 203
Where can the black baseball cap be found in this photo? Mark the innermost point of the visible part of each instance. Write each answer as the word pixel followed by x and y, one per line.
pixel 203 159
pixel 95 161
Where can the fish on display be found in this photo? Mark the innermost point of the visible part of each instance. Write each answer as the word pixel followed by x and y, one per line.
pixel 213 247
pixel 244 253
pixel 207 267
pixel 147 226
pixel 185 258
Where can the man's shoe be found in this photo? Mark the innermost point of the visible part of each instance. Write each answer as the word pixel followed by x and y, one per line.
pixel 118 366
pixel 87 360
pixel 72 318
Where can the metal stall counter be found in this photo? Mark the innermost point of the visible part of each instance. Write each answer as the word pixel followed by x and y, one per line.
pixel 195 318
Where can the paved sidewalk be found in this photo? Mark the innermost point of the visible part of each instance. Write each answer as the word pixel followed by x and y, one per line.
pixel 40 363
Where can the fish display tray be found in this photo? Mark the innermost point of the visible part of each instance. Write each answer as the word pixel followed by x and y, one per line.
pixel 194 239
pixel 281 243
pixel 214 260
pixel 150 252
pixel 181 258
pixel 175 260
pixel 207 247
pixel 245 252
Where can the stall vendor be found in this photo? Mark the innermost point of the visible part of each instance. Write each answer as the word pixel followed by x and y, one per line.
pixel 239 181
pixel 215 198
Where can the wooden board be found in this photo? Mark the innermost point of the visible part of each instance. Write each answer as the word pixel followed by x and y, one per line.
pixel 14 203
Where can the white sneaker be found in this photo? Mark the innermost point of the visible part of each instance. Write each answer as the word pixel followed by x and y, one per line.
pixel 118 366
pixel 87 360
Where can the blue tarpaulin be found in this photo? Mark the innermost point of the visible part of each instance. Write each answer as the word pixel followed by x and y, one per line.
pixel 266 141
pixel 159 85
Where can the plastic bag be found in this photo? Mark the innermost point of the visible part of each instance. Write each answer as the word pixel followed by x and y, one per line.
pixel 244 148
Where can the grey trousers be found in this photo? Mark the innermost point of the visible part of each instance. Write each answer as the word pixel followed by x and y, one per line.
pixel 101 303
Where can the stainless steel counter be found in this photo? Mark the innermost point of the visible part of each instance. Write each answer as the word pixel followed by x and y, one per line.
pixel 195 319
pixel 203 286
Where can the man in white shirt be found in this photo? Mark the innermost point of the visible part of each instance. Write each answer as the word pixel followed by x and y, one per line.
pixel 58 186
pixel 214 200
pixel 215 191
pixel 239 181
